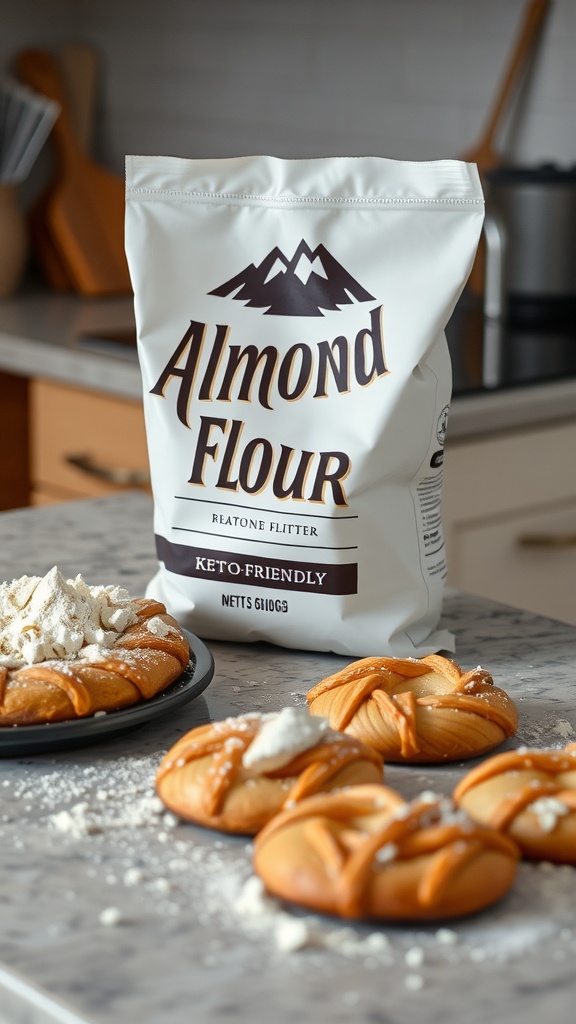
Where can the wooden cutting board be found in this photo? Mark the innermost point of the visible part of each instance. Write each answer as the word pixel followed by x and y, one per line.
pixel 43 248
pixel 79 67
pixel 84 210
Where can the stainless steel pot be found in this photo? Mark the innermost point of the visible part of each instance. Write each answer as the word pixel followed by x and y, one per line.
pixel 535 208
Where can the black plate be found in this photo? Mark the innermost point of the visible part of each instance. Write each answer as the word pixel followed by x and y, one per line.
pixel 21 740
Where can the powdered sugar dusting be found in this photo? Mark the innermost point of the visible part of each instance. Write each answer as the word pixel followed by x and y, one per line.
pixel 548 810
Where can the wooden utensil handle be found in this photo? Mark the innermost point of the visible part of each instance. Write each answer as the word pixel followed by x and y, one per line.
pixel 530 28
pixel 39 70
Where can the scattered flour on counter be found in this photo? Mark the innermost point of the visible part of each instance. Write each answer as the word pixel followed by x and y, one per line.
pixel 110 917
pixel 538 733
pixel 85 819
pixel 414 982
pixel 291 933
pixel 75 821
pixel 414 956
pixel 564 729
pixel 133 876
pixel 127 838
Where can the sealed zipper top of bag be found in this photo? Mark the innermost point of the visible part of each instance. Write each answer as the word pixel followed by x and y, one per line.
pixel 296 382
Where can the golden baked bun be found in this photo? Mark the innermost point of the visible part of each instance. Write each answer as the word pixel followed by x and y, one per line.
pixel 236 774
pixel 531 796
pixel 365 853
pixel 416 710
pixel 142 663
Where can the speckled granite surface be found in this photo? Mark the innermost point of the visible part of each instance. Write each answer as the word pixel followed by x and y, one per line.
pixel 123 914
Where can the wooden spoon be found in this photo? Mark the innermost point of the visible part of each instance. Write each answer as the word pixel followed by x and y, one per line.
pixel 85 209
pixel 484 153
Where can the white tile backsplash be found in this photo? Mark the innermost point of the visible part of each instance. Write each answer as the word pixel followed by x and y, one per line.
pixel 409 79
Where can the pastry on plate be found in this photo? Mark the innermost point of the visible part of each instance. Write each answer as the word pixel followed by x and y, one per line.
pixel 364 852
pixel 416 709
pixel 68 650
pixel 529 794
pixel 236 774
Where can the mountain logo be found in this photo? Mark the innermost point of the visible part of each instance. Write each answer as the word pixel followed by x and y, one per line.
pixel 305 285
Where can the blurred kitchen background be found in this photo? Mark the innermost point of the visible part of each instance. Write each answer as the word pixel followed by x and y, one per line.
pixel 405 79
pixel 408 79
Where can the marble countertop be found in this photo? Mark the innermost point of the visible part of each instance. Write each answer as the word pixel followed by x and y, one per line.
pixel 65 337
pixel 115 911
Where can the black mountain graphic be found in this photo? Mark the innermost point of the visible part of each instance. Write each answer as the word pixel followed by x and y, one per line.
pixel 303 286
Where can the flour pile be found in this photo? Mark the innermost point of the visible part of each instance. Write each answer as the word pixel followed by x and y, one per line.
pixel 45 617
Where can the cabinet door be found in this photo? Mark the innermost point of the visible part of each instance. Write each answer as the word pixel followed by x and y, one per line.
pixel 84 444
pixel 14 466
pixel 528 561
pixel 509 516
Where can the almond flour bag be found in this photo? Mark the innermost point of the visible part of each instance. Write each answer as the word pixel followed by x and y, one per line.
pixel 296 381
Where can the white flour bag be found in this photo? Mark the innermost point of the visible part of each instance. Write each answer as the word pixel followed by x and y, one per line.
pixel 296 379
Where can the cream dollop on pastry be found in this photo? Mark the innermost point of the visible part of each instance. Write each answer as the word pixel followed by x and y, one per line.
pixel 234 775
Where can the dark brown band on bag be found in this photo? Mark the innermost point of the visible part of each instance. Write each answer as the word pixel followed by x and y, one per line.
pixel 249 570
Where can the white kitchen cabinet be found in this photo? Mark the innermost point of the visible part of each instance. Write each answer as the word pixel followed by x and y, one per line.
pixel 509 513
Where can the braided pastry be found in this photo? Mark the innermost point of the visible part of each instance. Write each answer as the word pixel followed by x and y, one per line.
pixel 136 653
pixel 531 796
pixel 365 853
pixel 419 710
pixel 236 774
